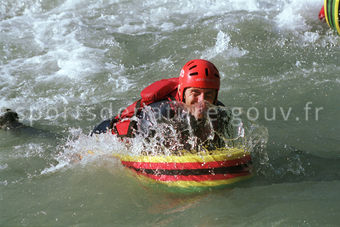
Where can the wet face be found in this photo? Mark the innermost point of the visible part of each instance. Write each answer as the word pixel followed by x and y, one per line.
pixel 198 100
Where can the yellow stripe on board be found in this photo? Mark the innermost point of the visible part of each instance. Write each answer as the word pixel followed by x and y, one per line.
pixel 336 11
pixel 216 155
pixel 326 13
pixel 187 184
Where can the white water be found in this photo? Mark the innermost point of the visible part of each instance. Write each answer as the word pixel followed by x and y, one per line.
pixel 67 65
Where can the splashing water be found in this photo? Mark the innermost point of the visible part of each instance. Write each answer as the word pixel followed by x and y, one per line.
pixel 80 148
pixel 164 137
pixel 63 55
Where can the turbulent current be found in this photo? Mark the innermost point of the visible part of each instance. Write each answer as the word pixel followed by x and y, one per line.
pixel 67 65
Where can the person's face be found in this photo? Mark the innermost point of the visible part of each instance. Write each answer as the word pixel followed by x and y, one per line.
pixel 198 100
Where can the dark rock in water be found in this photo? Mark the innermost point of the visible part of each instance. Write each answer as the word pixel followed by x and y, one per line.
pixel 9 121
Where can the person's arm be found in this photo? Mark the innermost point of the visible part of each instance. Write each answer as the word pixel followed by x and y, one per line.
pixel 152 115
pixel 102 127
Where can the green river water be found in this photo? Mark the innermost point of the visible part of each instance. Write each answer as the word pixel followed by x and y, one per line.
pixel 66 65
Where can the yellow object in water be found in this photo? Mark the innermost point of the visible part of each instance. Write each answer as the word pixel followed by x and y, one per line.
pixel 192 171
pixel 331 8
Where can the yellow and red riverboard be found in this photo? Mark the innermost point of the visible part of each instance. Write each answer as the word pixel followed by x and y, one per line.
pixel 192 170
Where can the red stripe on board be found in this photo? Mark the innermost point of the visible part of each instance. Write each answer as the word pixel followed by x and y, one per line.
pixel 186 165
pixel 192 177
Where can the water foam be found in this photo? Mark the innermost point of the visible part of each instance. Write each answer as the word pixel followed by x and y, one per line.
pixel 10 9
pixel 81 149
pixel 223 48
pixel 297 15
pixel 57 58
pixel 28 150
pixel 58 35
pixel 3 166
pixel 158 137
pixel 151 15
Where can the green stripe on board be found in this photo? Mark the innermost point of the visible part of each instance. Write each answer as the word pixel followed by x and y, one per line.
pixel 330 13
pixel 334 10
pixel 337 21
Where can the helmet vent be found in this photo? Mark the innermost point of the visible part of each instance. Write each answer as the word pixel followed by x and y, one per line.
pixel 206 72
pixel 190 63
pixel 193 74
pixel 192 67
pixel 218 76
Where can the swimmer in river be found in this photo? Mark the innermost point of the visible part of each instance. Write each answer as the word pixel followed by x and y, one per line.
pixel 195 91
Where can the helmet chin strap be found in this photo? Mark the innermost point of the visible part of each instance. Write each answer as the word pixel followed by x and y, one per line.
pixel 181 95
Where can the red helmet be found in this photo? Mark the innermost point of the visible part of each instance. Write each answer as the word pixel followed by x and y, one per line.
pixel 198 73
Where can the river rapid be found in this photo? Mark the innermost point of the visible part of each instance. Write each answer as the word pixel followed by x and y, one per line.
pixel 66 65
